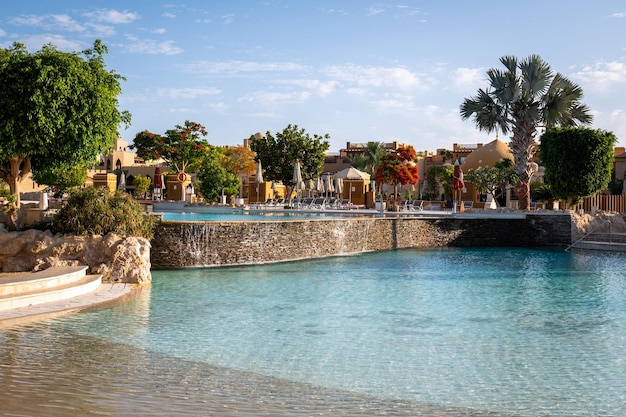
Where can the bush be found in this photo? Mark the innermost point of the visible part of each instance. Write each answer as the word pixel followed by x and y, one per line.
pixel 98 211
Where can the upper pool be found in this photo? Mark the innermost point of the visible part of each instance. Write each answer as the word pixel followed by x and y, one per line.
pixel 248 215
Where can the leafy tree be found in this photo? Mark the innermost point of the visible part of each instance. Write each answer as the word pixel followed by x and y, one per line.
pixel 278 154
pixel 493 180
pixel 61 176
pixel 439 176
pixel 398 167
pixel 142 185
pixel 525 96
pixel 240 159
pixel 585 172
pixel 56 106
pixel 180 147
pixel 98 211
pixel 216 175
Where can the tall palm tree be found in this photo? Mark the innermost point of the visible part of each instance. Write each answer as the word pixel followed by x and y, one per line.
pixel 520 100
pixel 369 159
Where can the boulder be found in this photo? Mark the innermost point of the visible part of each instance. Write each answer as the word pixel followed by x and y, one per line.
pixel 116 258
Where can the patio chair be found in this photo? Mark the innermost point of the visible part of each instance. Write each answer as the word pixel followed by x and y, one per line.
pixel 418 205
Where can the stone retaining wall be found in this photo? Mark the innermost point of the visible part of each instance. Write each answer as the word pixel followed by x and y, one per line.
pixel 193 244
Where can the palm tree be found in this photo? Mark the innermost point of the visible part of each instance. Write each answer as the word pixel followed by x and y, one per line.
pixel 369 159
pixel 520 100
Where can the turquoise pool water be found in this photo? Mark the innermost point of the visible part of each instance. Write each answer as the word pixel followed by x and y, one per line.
pixel 268 215
pixel 413 332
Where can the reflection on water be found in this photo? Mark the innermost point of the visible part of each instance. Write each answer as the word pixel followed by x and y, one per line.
pixel 48 373
pixel 418 332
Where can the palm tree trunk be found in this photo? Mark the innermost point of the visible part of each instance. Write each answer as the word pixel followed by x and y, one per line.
pixel 523 147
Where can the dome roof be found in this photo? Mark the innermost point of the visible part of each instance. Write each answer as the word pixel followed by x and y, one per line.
pixel 487 155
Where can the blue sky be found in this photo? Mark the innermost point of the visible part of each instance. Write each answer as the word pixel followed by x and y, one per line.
pixel 357 70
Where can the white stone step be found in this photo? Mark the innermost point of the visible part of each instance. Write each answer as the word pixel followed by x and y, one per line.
pixel 41 280
pixel 50 285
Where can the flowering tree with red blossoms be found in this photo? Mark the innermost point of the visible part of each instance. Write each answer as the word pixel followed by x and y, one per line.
pixel 180 147
pixel 398 167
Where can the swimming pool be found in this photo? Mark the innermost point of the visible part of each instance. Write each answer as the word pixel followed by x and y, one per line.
pixel 439 332
pixel 256 215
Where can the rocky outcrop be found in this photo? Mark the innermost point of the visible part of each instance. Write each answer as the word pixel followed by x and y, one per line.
pixel 116 258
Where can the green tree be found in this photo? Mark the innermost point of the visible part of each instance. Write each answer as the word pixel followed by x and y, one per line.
pixel 439 176
pixel 180 147
pixel 56 106
pixel 523 97
pixel 216 175
pixel 585 172
pixel 493 180
pixel 142 185
pixel 278 154
pixel 61 176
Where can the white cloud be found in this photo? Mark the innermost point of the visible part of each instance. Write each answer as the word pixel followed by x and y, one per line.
pixel 159 31
pixel 469 77
pixel 35 42
pixel 148 46
pixel 53 21
pixel 234 67
pixel 373 10
pixel 601 76
pixel 270 98
pixel 169 15
pixel 394 77
pixel 113 16
pixel 186 93
pixel 622 14
pixel 322 88
pixel 101 29
pixel 2 33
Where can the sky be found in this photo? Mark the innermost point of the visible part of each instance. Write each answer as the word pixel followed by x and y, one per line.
pixel 357 70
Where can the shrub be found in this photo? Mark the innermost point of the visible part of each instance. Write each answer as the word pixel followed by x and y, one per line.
pixel 99 211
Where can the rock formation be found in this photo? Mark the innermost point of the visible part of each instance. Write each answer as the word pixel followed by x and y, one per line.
pixel 116 258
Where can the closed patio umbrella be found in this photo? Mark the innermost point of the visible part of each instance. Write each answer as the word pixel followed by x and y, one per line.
pixel 259 173
pixel 339 187
pixel 297 177
pixel 328 184
pixel 122 184
pixel 259 178
pixel 157 184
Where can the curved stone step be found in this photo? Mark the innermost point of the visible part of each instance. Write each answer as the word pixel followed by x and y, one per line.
pixel 74 288
pixel 41 280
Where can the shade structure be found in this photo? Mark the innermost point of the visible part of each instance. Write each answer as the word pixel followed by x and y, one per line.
pixel 352 173
pixel 121 185
pixel 297 177
pixel 356 182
